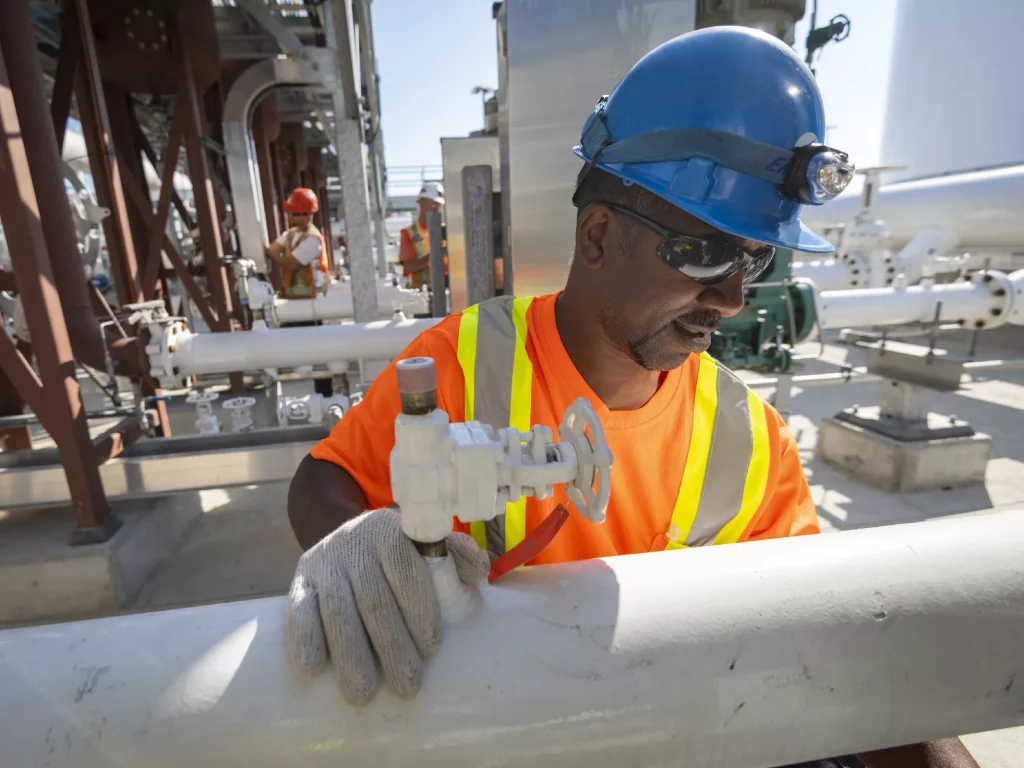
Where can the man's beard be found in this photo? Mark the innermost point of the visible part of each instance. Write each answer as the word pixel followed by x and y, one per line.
pixel 651 351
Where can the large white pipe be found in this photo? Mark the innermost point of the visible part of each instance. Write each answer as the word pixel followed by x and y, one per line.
pixel 196 354
pixel 826 274
pixel 739 656
pixel 981 208
pixel 989 302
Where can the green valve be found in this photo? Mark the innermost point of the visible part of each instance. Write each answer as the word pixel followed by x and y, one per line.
pixel 775 317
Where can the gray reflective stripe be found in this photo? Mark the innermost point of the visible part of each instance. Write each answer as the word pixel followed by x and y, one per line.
pixel 417 241
pixel 495 354
pixel 732 445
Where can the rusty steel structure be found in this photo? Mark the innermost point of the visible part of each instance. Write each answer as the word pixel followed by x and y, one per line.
pixel 145 82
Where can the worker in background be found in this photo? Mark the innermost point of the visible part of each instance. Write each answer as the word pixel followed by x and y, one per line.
pixel 414 245
pixel 300 254
pixel 695 170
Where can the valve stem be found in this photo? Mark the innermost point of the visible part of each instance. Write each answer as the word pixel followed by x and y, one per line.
pixel 417 386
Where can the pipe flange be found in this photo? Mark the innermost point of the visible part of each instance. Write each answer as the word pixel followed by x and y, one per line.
pixel 1001 288
pixel 166 336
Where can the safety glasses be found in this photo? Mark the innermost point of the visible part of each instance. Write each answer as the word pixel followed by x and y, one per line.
pixel 707 261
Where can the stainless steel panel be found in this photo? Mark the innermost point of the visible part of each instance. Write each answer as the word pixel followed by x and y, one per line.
pixel 456 154
pixel 140 476
pixel 562 57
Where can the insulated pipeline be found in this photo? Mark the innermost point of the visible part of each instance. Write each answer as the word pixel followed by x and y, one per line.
pixel 989 302
pixel 739 656
pixel 197 354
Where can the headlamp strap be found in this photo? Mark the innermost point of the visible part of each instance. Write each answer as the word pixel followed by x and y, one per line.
pixel 738 153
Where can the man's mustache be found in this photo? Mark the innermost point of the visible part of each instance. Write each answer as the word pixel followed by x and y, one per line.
pixel 701 318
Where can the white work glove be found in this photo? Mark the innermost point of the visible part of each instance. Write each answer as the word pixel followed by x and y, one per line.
pixel 366 585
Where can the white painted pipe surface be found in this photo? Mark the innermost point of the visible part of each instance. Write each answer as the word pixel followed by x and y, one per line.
pixel 290 347
pixel 337 304
pixel 740 656
pixel 826 274
pixel 981 208
pixel 970 302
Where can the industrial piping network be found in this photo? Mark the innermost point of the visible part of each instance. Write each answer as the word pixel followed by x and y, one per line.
pixel 741 656
pixel 335 305
pixel 986 300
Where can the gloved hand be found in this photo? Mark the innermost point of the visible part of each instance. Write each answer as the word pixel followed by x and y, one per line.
pixel 366 584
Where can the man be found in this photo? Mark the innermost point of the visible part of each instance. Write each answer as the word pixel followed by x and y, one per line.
pixel 414 243
pixel 300 254
pixel 696 167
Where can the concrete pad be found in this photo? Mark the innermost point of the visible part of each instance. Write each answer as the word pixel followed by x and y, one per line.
pixel 241 547
pixel 45 578
pixel 900 467
pixel 997 749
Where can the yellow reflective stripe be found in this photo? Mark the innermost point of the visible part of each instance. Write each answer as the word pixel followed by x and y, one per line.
pixel 757 474
pixel 519 413
pixel 467 361
pixel 467 354
pixel 705 403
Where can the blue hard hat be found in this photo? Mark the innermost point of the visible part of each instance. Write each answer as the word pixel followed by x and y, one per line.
pixel 726 123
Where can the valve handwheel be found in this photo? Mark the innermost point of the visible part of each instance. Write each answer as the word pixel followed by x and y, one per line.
pixel 594 460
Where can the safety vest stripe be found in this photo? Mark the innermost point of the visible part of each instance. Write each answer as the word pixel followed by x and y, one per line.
pixel 519 413
pixel 757 474
pixel 467 361
pixel 692 484
pixel 467 356
pixel 721 497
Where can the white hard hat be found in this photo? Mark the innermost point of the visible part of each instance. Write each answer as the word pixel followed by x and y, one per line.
pixel 432 190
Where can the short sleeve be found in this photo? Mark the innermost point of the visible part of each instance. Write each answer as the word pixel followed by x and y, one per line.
pixel 787 509
pixel 361 442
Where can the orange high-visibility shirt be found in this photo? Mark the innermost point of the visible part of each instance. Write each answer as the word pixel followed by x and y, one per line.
pixel 649 446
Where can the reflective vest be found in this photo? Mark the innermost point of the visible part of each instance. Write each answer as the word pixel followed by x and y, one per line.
pixel 421 248
pixel 715 502
pixel 300 282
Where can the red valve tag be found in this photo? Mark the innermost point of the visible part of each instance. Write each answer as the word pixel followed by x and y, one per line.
pixel 531 546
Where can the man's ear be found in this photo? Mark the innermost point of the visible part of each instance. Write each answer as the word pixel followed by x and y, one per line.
pixel 592 235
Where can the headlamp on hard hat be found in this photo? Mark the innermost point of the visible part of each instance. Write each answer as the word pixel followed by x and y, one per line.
pixel 817 174
pixel 811 174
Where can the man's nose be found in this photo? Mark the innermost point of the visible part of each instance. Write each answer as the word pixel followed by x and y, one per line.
pixel 726 297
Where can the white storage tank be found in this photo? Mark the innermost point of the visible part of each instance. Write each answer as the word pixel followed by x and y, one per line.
pixel 955 100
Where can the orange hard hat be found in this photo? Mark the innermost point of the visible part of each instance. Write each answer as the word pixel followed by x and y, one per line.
pixel 302 200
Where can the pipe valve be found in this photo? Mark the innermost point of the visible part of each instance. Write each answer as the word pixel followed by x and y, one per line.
pixel 466 470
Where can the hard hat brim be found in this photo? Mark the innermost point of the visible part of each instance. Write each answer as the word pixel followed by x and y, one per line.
pixel 791 233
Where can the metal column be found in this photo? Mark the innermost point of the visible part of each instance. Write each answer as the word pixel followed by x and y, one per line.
pixel 106 172
pixel 438 295
pixel 60 405
pixel 478 226
pixel 262 139
pixel 351 164
pixel 202 187
pixel 374 140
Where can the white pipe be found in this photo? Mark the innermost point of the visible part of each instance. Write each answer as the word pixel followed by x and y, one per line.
pixel 739 656
pixel 972 302
pixel 826 274
pixel 981 208
pixel 197 354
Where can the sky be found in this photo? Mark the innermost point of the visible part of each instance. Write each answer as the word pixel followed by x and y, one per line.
pixel 431 55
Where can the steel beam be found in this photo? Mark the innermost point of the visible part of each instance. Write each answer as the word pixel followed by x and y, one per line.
pixel 348 119
pixel 375 141
pixel 265 17
pixel 106 172
pixel 202 185
pixel 265 167
pixel 51 345
pixel 750 655
pixel 157 234
pixel 34 115
pixel 68 59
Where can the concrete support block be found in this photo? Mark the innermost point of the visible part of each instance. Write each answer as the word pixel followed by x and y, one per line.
pixel 45 578
pixel 903 467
